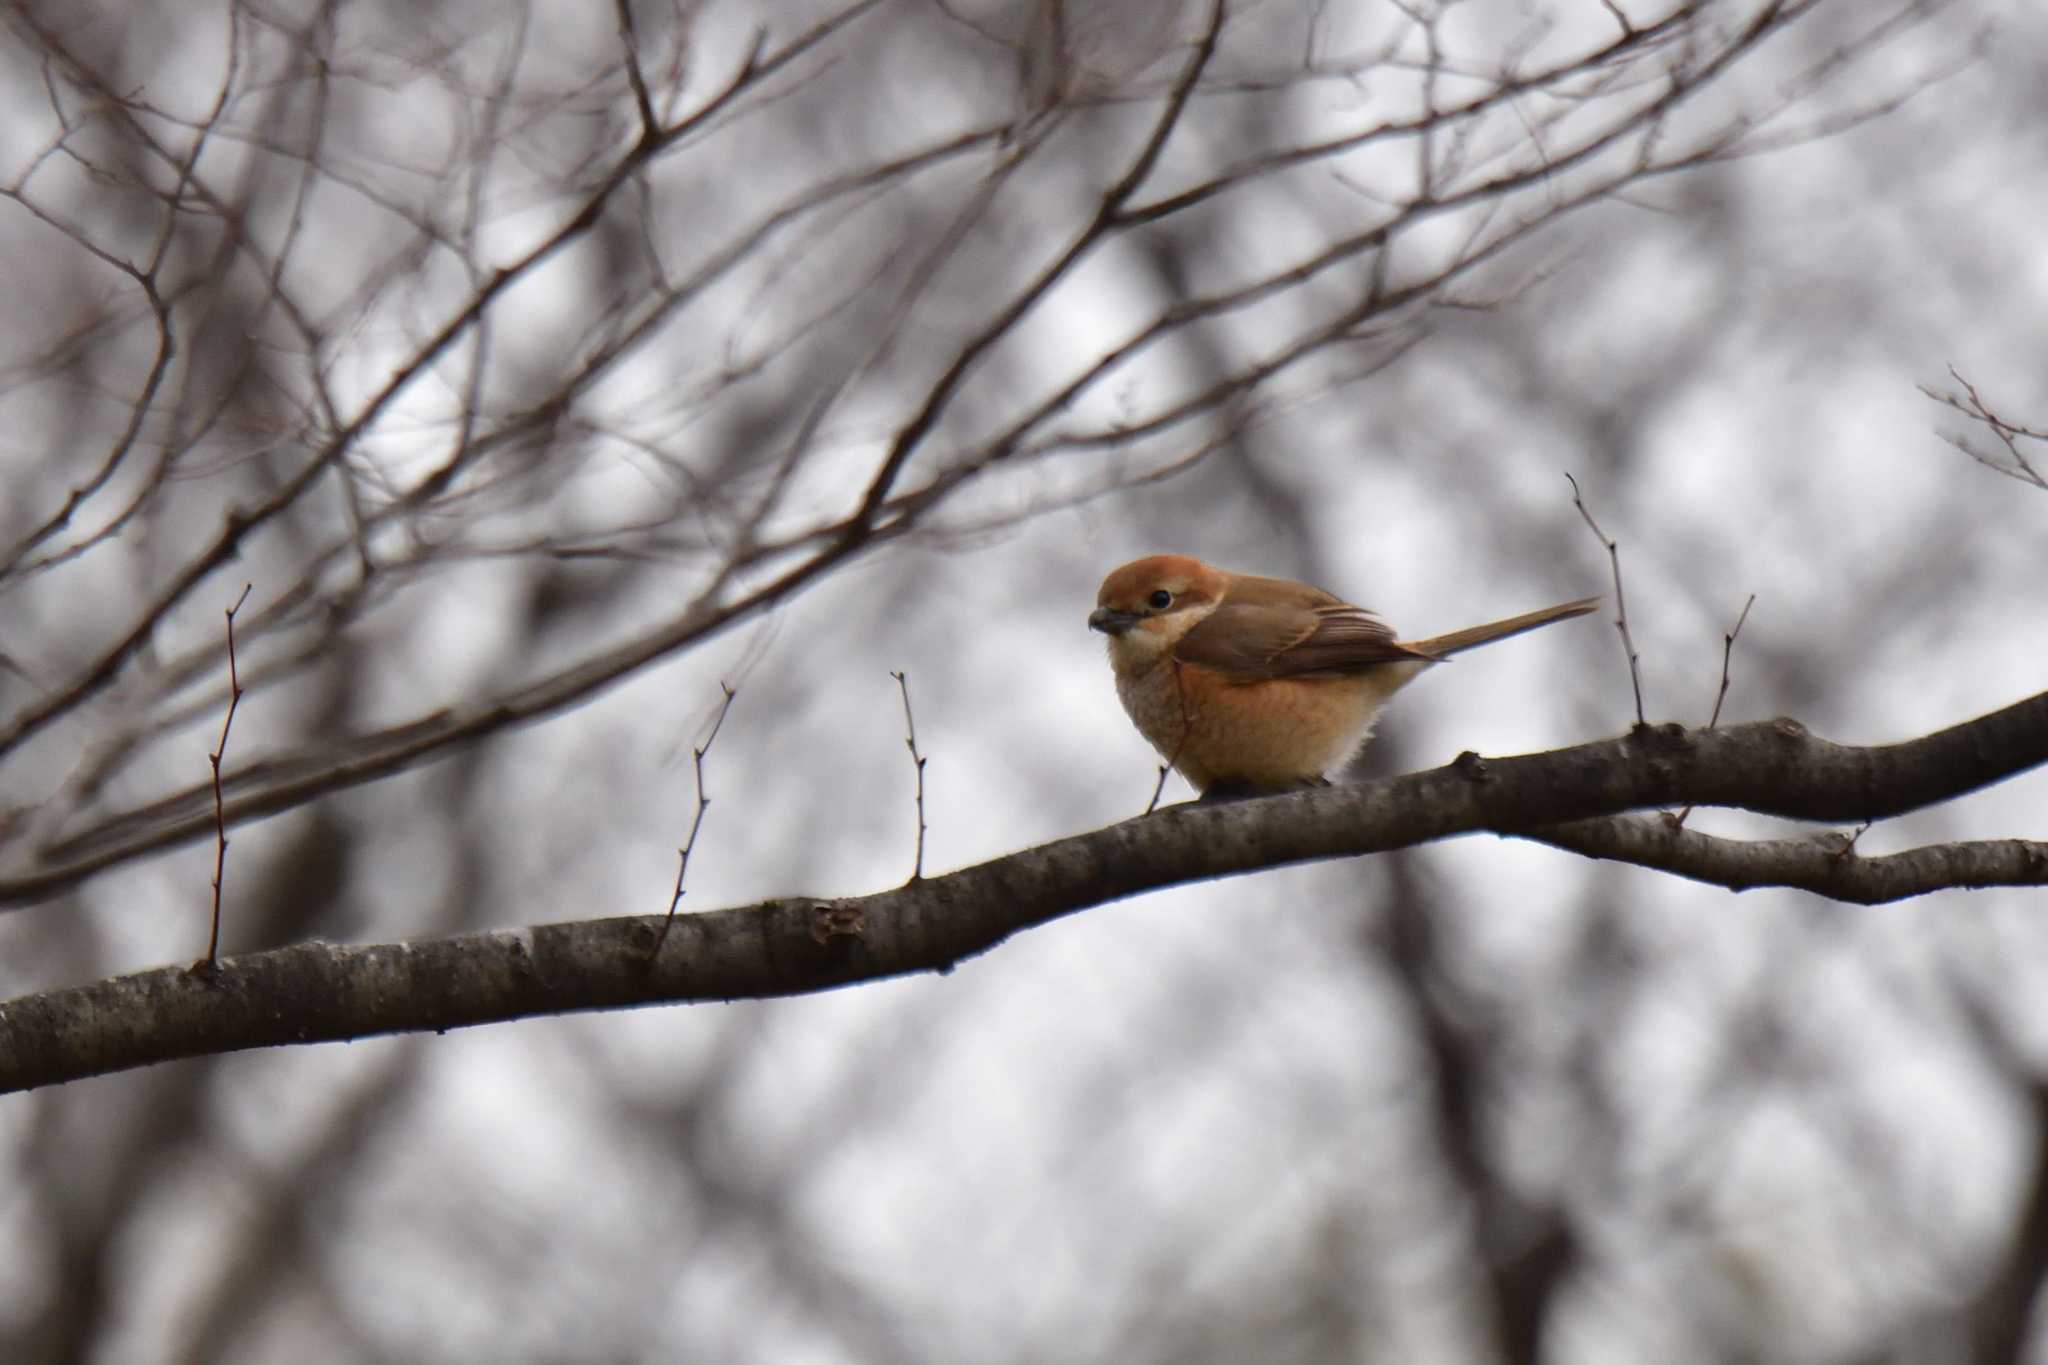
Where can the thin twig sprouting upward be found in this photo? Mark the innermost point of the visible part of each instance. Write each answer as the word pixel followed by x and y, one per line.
pixel 1628 30
pixel 1727 653
pixel 696 821
pixel 650 126
pixel 910 731
pixel 1187 726
pixel 1628 644
pixel 220 819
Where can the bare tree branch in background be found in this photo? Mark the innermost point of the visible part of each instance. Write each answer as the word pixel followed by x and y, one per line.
pixel 2013 438
pixel 383 418
pixel 520 353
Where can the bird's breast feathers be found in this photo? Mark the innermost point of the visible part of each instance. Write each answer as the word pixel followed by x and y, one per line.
pixel 1276 732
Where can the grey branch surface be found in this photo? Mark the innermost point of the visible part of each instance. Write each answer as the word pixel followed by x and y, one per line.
pixel 1573 798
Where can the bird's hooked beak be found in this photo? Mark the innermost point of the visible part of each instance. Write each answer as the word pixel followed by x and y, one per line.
pixel 1112 622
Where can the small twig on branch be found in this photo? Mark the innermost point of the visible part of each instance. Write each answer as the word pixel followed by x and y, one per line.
pixel 1727 652
pixel 205 965
pixel 650 126
pixel 1159 786
pixel 1847 842
pixel 2009 434
pixel 697 821
pixel 910 731
pixel 1187 724
pixel 1628 644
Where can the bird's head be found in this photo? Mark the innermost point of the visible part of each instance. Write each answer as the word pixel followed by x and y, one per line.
pixel 1148 604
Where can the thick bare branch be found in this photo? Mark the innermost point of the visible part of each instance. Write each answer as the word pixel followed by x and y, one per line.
pixel 316 992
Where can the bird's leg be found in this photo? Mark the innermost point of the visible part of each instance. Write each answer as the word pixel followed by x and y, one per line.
pixel 1187 726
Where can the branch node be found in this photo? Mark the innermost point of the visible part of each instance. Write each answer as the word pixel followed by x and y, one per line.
pixel 829 921
pixel 1847 843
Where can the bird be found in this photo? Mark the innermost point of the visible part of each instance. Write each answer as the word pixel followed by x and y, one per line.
pixel 1248 685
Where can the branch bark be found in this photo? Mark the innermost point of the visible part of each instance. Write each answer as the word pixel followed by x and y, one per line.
pixel 316 992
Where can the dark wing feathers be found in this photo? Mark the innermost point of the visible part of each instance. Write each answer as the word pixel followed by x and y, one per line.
pixel 1250 640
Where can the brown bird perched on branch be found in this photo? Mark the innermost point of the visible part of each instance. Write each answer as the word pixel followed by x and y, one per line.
pixel 1249 684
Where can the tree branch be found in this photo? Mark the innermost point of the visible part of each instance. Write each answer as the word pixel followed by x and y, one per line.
pixel 313 992
pixel 1827 866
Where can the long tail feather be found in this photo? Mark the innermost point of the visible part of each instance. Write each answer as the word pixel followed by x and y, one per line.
pixel 1441 645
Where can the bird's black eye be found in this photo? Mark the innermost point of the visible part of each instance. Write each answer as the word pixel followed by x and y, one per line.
pixel 1160 600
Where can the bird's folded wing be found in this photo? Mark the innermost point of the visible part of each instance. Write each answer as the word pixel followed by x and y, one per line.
pixel 1255 641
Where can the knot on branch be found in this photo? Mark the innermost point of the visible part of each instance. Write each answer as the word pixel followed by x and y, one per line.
pixel 830 921
pixel 1670 736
